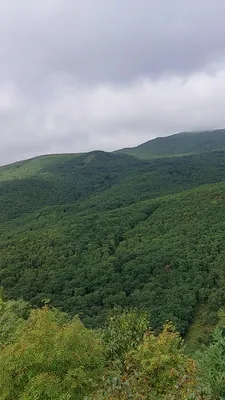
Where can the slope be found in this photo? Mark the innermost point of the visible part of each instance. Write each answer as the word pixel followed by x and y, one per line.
pixel 61 179
pixel 179 144
pixel 166 255
pixel 96 230
pixel 100 180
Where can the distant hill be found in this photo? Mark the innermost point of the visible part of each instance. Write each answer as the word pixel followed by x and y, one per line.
pixel 96 230
pixel 179 144
pixel 106 180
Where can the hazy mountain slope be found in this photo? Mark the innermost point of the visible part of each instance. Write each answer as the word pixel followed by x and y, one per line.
pixel 179 144
pixel 32 167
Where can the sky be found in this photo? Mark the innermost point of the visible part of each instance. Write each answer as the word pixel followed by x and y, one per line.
pixel 79 75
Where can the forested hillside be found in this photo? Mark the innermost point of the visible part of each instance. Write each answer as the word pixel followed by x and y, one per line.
pixel 93 231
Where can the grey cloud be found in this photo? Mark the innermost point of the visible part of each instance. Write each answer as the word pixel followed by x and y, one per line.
pixel 107 117
pixel 110 40
pixel 82 74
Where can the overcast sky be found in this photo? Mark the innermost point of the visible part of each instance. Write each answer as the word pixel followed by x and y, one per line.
pixel 77 75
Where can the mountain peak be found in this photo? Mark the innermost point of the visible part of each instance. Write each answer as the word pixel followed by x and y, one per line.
pixel 179 144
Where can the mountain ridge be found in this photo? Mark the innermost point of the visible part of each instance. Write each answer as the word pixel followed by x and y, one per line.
pixel 157 147
pixel 206 134
pixel 94 230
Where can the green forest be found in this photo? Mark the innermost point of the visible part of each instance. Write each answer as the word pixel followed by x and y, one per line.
pixel 118 258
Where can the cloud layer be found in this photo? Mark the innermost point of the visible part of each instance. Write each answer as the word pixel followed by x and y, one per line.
pixel 77 75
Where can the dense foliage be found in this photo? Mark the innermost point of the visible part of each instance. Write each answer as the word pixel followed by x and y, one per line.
pixel 89 232
pixel 98 230
pixel 50 358
pixel 54 358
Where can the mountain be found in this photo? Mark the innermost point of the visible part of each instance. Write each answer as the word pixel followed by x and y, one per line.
pixel 179 144
pixel 97 230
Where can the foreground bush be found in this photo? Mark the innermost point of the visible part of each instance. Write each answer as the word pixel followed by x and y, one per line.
pixel 51 359
pixel 157 369
pixel 46 356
